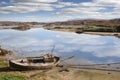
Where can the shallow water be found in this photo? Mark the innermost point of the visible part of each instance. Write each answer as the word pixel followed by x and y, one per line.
pixel 85 48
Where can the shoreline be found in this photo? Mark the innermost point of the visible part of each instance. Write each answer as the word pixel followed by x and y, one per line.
pixel 117 34
pixel 73 73
pixel 75 30
pixel 104 33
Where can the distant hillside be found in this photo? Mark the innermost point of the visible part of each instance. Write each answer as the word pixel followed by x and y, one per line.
pixel 9 23
pixel 105 23
pixel 116 20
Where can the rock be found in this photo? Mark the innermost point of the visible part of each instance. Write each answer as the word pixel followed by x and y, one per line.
pixel 3 52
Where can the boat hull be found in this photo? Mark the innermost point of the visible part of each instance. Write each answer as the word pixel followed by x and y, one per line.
pixel 20 67
pixel 15 64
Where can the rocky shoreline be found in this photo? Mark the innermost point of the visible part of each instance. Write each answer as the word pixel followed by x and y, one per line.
pixel 4 52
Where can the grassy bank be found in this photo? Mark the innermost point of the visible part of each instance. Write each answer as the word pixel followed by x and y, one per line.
pixel 8 75
pixel 86 29
pixel 11 76
pixel 3 64
pixel 95 30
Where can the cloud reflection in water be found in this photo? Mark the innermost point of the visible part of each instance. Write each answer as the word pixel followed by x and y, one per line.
pixel 86 48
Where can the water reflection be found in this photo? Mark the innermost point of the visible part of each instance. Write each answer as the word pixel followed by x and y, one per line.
pixel 86 48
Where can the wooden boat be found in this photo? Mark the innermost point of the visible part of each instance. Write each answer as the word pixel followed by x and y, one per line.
pixel 43 62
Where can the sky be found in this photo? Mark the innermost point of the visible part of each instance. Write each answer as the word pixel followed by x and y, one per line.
pixel 58 10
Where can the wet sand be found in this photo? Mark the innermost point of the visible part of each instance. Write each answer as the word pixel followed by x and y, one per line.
pixel 73 74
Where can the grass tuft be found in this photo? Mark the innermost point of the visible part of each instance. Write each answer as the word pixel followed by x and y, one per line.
pixel 12 77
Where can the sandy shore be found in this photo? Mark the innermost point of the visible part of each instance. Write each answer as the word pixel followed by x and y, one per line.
pixel 103 33
pixel 67 73
pixel 72 74
pixel 75 74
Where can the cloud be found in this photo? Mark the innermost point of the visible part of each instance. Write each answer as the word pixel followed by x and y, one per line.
pixel 3 2
pixel 33 1
pixel 26 6
pixel 68 3
pixel 81 45
pixel 98 46
pixel 81 10
pixel 97 9
pixel 110 2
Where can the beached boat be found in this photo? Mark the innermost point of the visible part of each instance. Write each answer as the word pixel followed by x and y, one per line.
pixel 43 62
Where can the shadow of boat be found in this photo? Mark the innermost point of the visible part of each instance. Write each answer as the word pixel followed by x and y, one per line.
pixel 8 69
pixel 5 69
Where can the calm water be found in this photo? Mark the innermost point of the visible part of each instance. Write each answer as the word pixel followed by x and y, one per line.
pixel 86 48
